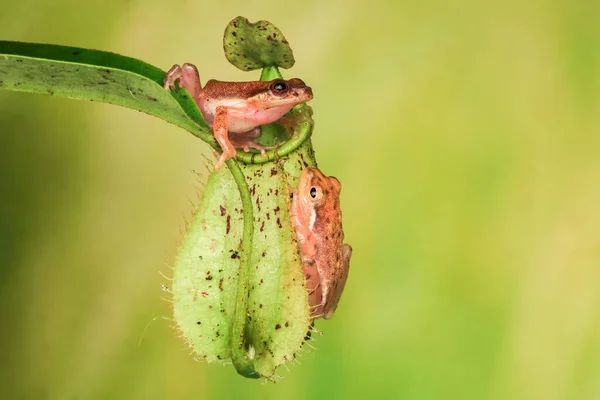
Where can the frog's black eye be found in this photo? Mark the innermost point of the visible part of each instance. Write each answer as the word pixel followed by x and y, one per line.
pixel 316 194
pixel 279 88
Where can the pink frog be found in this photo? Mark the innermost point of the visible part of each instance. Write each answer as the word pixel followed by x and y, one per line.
pixel 236 110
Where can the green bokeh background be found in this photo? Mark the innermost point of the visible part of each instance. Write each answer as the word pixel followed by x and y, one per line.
pixel 467 140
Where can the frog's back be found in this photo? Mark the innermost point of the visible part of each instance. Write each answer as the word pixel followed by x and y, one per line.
pixel 219 90
pixel 330 257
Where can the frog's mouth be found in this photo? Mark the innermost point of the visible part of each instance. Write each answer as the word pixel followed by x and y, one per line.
pixel 299 96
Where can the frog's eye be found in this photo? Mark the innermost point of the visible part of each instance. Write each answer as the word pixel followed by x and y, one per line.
pixel 315 193
pixel 279 88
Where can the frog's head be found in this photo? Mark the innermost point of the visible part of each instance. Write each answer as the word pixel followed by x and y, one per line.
pixel 282 93
pixel 318 194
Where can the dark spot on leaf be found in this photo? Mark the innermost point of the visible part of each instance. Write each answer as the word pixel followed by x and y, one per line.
pixel 277 327
pixel 209 278
pixel 228 224
pixel 234 256
pixel 198 323
pixel 221 284
pixel 287 324
pixel 222 210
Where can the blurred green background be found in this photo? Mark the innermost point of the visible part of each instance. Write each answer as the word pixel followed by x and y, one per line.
pixel 467 140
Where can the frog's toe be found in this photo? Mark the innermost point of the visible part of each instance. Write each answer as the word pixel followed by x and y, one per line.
pixel 171 77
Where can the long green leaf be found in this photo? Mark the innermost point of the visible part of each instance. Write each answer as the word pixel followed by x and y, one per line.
pixel 97 76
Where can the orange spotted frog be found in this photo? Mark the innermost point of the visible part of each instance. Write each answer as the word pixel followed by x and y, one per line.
pixel 317 220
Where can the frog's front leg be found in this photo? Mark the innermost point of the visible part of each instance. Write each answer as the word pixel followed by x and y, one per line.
pixel 221 129
pixel 228 140
pixel 188 77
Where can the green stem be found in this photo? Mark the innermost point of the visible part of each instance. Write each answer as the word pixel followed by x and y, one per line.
pixel 304 132
pixel 239 352
pixel 270 73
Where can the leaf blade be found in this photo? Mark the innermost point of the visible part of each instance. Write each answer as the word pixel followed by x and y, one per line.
pixel 97 76
pixel 250 46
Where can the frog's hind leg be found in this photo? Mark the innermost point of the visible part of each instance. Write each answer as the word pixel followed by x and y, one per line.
pixel 246 141
pixel 317 311
pixel 314 288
